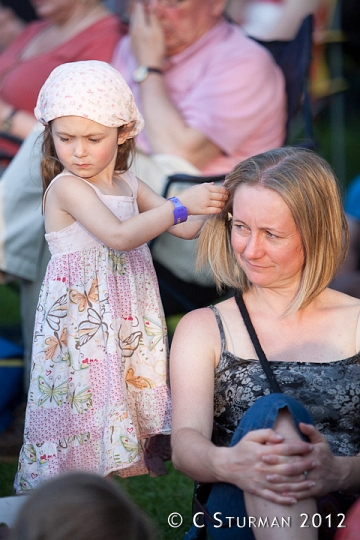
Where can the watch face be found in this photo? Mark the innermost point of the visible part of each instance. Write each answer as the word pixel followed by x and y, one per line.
pixel 140 74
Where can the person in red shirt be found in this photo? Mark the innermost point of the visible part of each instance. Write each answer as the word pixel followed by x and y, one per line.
pixel 67 31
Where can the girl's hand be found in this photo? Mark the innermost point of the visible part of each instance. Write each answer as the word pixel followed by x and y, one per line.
pixel 204 199
pixel 249 468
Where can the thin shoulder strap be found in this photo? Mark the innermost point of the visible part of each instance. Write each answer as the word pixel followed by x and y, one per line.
pixel 132 181
pixel 220 326
pixel 255 340
pixel 97 191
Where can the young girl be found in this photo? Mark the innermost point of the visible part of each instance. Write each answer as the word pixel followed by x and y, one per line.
pixel 98 393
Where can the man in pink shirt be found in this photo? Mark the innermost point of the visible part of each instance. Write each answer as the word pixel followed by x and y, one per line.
pixel 210 97
pixel 216 96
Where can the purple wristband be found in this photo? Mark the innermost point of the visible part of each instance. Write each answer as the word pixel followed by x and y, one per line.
pixel 180 211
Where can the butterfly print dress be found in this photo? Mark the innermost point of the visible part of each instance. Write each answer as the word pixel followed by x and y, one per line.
pixel 98 397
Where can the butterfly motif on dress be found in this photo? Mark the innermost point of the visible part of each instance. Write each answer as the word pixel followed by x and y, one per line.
pixel 85 299
pixel 29 453
pixel 51 392
pixel 155 330
pixel 131 446
pixel 25 484
pixel 57 311
pixel 137 380
pixel 80 399
pixel 119 261
pixel 129 344
pixel 54 343
pixel 88 328
pixel 80 438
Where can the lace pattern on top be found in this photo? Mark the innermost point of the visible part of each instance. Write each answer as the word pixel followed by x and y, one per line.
pixel 330 391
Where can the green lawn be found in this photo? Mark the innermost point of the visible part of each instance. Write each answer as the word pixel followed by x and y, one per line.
pixel 157 497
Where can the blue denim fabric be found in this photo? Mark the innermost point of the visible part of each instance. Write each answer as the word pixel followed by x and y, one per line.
pixel 227 499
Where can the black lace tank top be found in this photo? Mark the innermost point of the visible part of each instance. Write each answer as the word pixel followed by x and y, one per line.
pixel 330 391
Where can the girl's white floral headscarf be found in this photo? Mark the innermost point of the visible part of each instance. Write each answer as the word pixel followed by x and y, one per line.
pixel 91 89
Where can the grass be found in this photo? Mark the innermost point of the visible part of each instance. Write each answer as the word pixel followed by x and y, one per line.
pixel 157 497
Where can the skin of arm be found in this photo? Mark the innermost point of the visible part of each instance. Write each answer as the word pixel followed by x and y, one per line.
pixel 165 127
pixel 195 348
pixel 22 122
pixel 156 217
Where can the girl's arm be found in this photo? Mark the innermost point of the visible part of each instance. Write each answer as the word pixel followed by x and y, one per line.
pixel 70 199
pixel 193 199
pixel 195 348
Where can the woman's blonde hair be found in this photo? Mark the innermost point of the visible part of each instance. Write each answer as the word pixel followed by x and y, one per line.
pixel 80 506
pixel 51 166
pixel 308 186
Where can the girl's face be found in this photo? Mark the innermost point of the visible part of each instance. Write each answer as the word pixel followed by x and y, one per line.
pixel 265 239
pixel 85 147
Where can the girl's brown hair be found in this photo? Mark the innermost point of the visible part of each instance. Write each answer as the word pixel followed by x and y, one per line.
pixel 81 506
pixel 308 186
pixel 51 166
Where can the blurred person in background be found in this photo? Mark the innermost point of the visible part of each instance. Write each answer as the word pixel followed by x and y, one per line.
pixel 68 30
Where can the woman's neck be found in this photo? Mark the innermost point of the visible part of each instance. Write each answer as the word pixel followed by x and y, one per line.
pixel 274 301
pixel 80 17
pixel 64 27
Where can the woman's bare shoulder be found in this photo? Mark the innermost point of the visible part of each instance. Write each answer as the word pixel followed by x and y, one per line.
pixel 333 299
pixel 197 320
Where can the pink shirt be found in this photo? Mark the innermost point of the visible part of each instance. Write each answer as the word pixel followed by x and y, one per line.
pixel 227 87
pixel 21 79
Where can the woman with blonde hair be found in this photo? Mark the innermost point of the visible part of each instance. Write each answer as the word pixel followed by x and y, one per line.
pixel 264 385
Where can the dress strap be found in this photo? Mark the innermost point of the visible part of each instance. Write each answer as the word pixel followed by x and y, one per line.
pixel 49 186
pixel 68 173
pixel 220 326
pixel 132 181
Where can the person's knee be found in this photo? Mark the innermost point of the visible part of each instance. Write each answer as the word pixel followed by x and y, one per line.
pixel 264 413
pixel 284 425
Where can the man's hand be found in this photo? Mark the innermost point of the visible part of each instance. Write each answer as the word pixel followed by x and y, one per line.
pixel 147 37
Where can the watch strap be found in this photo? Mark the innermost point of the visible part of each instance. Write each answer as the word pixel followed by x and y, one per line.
pixel 155 70
pixel 6 125
pixel 141 72
pixel 180 211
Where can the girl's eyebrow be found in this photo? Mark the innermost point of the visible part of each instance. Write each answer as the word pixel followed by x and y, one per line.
pixel 87 135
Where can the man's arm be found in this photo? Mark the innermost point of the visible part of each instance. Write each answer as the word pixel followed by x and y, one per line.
pixel 165 128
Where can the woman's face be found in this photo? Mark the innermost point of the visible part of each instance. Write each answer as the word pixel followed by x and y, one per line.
pixel 265 239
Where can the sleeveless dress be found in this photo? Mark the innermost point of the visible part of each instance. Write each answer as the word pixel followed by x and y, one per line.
pixel 330 391
pixel 98 398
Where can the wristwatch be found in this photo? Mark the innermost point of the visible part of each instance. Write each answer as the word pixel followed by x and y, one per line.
pixel 142 72
pixel 6 125
pixel 180 211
